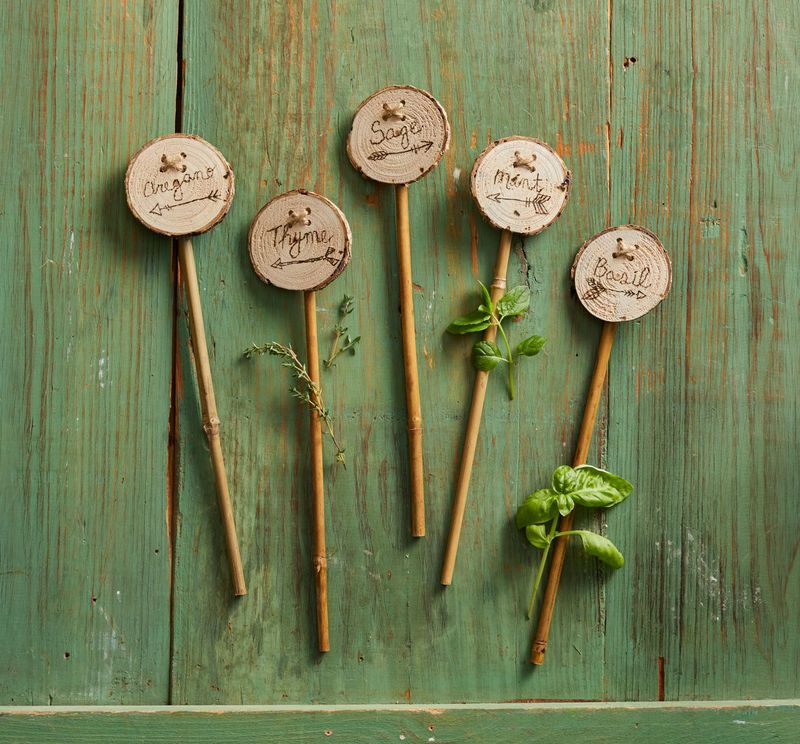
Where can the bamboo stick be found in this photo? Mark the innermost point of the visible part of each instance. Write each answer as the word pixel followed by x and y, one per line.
pixel 318 485
pixel 208 404
pixel 413 407
pixel 565 523
pixel 498 288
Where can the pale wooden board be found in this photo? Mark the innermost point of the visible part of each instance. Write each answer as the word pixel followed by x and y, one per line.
pixel 713 723
pixel 85 356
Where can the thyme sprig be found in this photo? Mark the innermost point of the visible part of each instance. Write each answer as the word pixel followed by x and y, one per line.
pixel 305 390
pixel 345 308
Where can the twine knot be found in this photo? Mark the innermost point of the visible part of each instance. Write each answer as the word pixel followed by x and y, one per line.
pixel 173 162
pixel 299 218
pixel 392 111
pixel 624 251
pixel 524 161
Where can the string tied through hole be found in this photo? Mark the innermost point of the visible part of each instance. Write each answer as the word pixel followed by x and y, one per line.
pixel 299 218
pixel 173 162
pixel 524 161
pixel 393 111
pixel 624 251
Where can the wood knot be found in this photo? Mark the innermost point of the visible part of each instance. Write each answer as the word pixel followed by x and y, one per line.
pixel 173 162
pixel 524 161
pixel 299 218
pixel 392 111
pixel 624 251
pixel 320 563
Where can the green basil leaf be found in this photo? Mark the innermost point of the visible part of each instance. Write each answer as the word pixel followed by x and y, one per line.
pixel 564 479
pixel 531 346
pixel 538 508
pixel 537 535
pixel 602 548
pixel 514 302
pixel 486 355
pixel 598 488
pixel 487 298
pixel 565 504
pixel 474 321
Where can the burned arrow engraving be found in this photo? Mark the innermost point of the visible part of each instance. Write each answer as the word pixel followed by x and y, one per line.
pixel 597 288
pixel 537 202
pixel 383 154
pixel 159 209
pixel 329 256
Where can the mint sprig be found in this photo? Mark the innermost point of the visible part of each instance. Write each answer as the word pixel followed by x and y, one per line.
pixel 486 355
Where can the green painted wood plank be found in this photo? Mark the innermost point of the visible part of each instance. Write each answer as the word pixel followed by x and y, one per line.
pixel 86 301
pixel 703 391
pixel 715 723
pixel 277 94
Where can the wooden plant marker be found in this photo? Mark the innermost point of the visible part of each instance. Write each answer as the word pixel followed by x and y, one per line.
pixel 180 185
pixel 620 274
pixel 521 186
pixel 399 134
pixel 301 241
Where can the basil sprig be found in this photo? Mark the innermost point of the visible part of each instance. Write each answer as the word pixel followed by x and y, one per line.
pixel 584 486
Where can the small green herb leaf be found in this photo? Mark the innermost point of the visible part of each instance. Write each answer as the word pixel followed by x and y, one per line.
pixel 601 547
pixel 474 321
pixel 564 479
pixel 531 346
pixel 514 302
pixel 565 504
pixel 346 306
pixel 487 298
pixel 538 508
pixel 598 488
pixel 486 355
pixel 537 536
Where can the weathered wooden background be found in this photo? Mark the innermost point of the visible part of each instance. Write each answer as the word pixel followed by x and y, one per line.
pixel 678 115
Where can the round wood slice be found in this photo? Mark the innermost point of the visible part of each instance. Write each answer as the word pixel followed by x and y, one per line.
pixel 179 184
pixel 520 184
pixel 299 240
pixel 622 273
pixel 398 135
